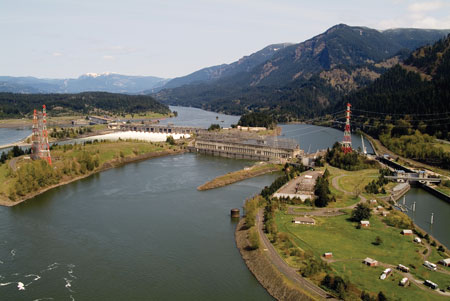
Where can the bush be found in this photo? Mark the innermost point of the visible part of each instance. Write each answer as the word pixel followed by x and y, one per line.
pixel 399 220
pixel 214 127
pixel 378 241
pixel 361 212
pixel 253 238
pixel 170 140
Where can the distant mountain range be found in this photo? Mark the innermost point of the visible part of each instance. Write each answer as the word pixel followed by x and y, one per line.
pixel 302 79
pixel 106 82
pixel 290 80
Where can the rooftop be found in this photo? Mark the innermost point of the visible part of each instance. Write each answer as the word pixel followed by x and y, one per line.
pixel 370 260
pixel 251 139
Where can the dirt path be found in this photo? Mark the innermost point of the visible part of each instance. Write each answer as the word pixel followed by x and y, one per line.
pixel 328 211
pixel 283 267
pixel 335 183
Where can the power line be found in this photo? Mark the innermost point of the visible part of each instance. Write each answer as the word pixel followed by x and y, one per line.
pixel 401 114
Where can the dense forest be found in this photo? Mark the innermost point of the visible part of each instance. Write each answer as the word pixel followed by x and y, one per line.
pixel 257 119
pixel 413 96
pixel 21 105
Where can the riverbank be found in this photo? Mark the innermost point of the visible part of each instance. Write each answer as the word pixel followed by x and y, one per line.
pixel 258 169
pixel 276 284
pixel 113 154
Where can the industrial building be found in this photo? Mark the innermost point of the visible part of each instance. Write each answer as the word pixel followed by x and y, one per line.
pixel 250 147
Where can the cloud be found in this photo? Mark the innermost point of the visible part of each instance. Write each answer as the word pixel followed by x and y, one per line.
pixel 108 57
pixel 421 15
pixel 421 7
pixel 56 54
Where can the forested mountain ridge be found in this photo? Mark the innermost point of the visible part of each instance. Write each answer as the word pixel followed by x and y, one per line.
pixel 302 80
pixel 417 91
pixel 245 64
pixel 22 105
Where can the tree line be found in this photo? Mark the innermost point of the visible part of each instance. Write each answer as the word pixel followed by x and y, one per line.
pixel 22 105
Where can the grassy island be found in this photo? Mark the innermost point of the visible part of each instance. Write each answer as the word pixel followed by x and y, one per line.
pixel 23 178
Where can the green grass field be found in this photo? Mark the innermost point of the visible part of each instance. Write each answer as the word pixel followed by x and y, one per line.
pixel 368 279
pixel 350 246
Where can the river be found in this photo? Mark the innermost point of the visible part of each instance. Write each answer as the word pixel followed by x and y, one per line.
pixel 143 231
pixel 11 135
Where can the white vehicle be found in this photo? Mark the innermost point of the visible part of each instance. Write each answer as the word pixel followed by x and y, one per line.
pixel 403 268
pixel 404 281
pixel 430 265
pixel 431 284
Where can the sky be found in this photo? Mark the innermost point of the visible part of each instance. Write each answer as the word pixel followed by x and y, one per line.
pixel 170 38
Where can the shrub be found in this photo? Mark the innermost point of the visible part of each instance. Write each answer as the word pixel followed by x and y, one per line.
pixel 399 220
pixel 361 212
pixel 253 238
pixel 170 140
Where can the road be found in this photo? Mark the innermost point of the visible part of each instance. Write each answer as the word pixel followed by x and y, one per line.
pixel 290 272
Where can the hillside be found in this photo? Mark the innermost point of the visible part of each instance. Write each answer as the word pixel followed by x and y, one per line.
pixel 106 82
pixel 419 88
pixel 22 105
pixel 245 64
pixel 303 79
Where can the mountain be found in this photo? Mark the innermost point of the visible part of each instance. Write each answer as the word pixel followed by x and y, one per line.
pixel 419 87
pixel 245 64
pixel 106 82
pixel 303 79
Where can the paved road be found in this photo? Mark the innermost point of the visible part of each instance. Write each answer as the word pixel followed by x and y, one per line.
pixel 283 267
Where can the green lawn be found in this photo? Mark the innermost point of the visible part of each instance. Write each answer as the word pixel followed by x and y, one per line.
pixel 350 246
pixel 368 279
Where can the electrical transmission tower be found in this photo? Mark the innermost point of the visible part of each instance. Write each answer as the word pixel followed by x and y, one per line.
pixel 347 142
pixel 40 148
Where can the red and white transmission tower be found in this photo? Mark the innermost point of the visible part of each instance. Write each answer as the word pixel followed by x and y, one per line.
pixel 347 143
pixel 45 148
pixel 40 148
pixel 35 138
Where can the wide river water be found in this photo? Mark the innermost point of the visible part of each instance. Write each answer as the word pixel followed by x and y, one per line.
pixel 143 231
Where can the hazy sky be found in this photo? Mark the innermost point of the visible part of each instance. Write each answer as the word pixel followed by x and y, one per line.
pixel 169 38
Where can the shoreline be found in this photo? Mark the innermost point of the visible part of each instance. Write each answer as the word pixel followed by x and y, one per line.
pixel 107 165
pixel 270 278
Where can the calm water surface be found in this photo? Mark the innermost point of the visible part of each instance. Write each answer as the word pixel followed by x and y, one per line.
pixel 138 232
pixel 426 204
pixel 9 135
pixel 199 118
